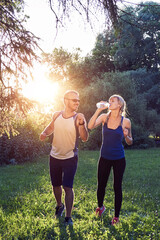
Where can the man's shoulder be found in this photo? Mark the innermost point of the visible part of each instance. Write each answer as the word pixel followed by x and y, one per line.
pixel 56 114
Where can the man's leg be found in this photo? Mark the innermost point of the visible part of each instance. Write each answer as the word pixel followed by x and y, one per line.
pixel 58 195
pixel 56 179
pixel 69 170
pixel 69 197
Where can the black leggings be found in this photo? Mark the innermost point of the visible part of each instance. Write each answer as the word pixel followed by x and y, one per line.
pixel 104 168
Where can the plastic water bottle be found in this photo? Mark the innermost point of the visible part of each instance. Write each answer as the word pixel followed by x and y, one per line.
pixel 102 104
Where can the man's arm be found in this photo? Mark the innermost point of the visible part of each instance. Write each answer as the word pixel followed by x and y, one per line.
pixel 82 127
pixel 47 131
pixel 50 128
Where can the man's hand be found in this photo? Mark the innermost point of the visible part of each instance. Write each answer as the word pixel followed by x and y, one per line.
pixel 42 136
pixel 81 124
pixel 80 119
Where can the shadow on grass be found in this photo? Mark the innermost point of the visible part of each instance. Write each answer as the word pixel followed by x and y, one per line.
pixel 67 231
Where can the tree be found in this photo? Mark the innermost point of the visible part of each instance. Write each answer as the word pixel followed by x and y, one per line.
pixel 58 62
pixel 102 55
pixel 87 8
pixel 17 52
pixel 138 44
pixel 135 46
pixel 111 10
pixel 69 68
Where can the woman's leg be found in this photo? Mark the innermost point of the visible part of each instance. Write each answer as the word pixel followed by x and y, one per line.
pixel 104 168
pixel 118 171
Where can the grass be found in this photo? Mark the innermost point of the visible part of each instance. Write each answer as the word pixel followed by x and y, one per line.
pixel 27 203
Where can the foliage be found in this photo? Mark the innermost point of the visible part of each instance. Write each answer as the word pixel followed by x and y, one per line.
pixel 135 46
pixel 96 77
pixel 68 68
pixel 138 43
pixel 102 55
pixel 27 202
pixel 139 88
pixel 12 104
pixel 17 52
pixel 25 145
pixel 109 10
pixel 17 44
pixel 142 110
pixel 94 142
pixel 59 61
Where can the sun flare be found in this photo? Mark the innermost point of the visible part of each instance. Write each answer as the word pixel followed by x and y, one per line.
pixel 41 89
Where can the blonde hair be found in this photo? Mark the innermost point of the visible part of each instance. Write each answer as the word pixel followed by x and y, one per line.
pixel 122 103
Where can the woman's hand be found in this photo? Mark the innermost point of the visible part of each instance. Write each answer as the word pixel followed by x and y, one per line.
pixel 128 136
pixel 125 132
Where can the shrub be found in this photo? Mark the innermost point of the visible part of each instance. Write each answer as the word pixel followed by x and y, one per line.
pixel 95 140
pixel 26 144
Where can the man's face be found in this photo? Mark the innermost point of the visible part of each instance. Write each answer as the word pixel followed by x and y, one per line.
pixel 72 101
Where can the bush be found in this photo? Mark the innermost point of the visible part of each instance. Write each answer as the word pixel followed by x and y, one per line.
pixel 94 142
pixel 25 145
pixel 135 87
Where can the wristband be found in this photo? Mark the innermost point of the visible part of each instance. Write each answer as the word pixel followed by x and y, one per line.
pixel 82 123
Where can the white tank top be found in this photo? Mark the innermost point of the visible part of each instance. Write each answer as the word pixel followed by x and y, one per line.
pixel 65 138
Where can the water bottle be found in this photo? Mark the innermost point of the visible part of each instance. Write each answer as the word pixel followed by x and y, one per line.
pixel 102 104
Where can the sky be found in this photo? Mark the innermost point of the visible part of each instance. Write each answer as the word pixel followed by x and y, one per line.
pixel 42 24
pixel 76 35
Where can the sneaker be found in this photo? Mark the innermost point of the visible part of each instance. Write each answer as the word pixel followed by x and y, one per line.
pixel 100 211
pixel 68 221
pixel 115 220
pixel 59 210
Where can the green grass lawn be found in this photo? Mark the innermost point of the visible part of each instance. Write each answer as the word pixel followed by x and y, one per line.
pixel 27 204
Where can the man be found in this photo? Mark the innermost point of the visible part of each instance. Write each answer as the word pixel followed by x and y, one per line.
pixel 67 126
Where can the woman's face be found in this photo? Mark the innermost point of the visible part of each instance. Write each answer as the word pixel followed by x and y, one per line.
pixel 114 103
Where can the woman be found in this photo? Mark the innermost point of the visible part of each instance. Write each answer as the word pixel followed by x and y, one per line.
pixel 115 127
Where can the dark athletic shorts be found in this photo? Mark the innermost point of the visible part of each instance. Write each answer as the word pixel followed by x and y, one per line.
pixel 62 172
